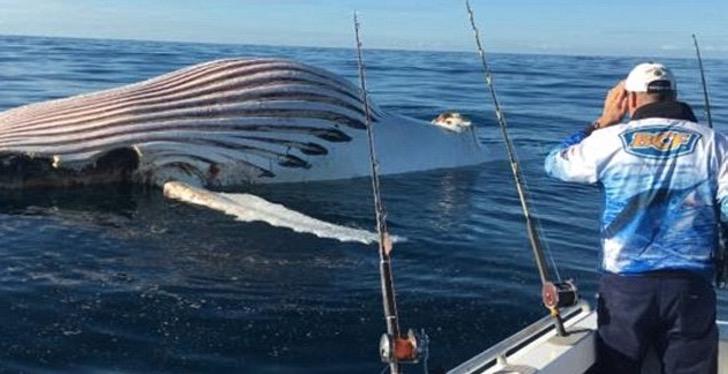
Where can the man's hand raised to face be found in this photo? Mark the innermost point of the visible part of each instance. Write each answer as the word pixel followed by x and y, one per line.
pixel 615 106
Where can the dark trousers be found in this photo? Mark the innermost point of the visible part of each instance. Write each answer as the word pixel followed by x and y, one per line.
pixel 672 312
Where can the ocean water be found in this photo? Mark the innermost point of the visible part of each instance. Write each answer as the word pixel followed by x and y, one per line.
pixel 118 279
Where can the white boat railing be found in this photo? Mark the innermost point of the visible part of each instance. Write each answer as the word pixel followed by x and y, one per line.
pixel 499 354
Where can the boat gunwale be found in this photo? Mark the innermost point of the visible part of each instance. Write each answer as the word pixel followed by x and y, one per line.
pixel 519 340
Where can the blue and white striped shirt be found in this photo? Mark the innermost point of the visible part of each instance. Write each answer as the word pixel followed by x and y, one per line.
pixel 665 182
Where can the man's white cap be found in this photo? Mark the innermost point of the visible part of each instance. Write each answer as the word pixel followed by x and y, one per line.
pixel 650 77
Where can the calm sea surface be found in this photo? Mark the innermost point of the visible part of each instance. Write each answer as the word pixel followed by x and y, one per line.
pixel 116 279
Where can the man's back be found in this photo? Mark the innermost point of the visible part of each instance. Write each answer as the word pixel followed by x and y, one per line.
pixel 660 179
pixel 665 183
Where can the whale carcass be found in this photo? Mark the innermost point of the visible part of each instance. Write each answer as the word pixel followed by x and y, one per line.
pixel 220 125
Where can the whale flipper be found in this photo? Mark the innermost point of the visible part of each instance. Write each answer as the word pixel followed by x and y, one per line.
pixel 249 208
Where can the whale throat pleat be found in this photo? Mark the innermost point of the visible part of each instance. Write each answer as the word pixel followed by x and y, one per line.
pixel 260 112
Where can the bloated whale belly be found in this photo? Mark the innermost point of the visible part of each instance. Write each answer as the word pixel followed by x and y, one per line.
pixel 225 122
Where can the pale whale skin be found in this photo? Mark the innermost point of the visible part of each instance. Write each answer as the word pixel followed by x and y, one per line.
pixel 221 123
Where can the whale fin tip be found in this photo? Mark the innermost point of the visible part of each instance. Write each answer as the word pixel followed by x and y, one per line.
pixel 250 208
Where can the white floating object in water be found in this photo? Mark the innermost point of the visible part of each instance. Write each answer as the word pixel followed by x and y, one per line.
pixel 452 121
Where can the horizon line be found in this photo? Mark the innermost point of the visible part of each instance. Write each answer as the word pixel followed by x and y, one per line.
pixel 530 53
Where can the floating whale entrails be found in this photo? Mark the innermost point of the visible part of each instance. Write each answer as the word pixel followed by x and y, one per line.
pixel 222 124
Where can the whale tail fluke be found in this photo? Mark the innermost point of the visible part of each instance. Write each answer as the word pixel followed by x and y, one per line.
pixel 249 208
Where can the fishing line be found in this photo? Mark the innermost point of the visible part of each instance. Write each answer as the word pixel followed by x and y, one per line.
pixel 539 226
pixel 544 235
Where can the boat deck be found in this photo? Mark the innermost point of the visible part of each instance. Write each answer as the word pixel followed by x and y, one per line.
pixel 538 349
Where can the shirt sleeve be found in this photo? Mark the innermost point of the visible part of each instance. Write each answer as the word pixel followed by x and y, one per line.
pixel 722 195
pixel 574 160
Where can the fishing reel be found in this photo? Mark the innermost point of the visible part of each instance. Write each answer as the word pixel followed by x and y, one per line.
pixel 556 295
pixel 410 349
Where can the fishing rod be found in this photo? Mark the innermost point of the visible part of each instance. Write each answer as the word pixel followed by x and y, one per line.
pixel 721 259
pixel 555 295
pixel 705 86
pixel 394 349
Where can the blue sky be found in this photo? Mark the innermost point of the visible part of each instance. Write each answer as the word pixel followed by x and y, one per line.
pixel 591 27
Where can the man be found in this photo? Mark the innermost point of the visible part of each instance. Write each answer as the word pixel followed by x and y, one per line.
pixel 666 183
